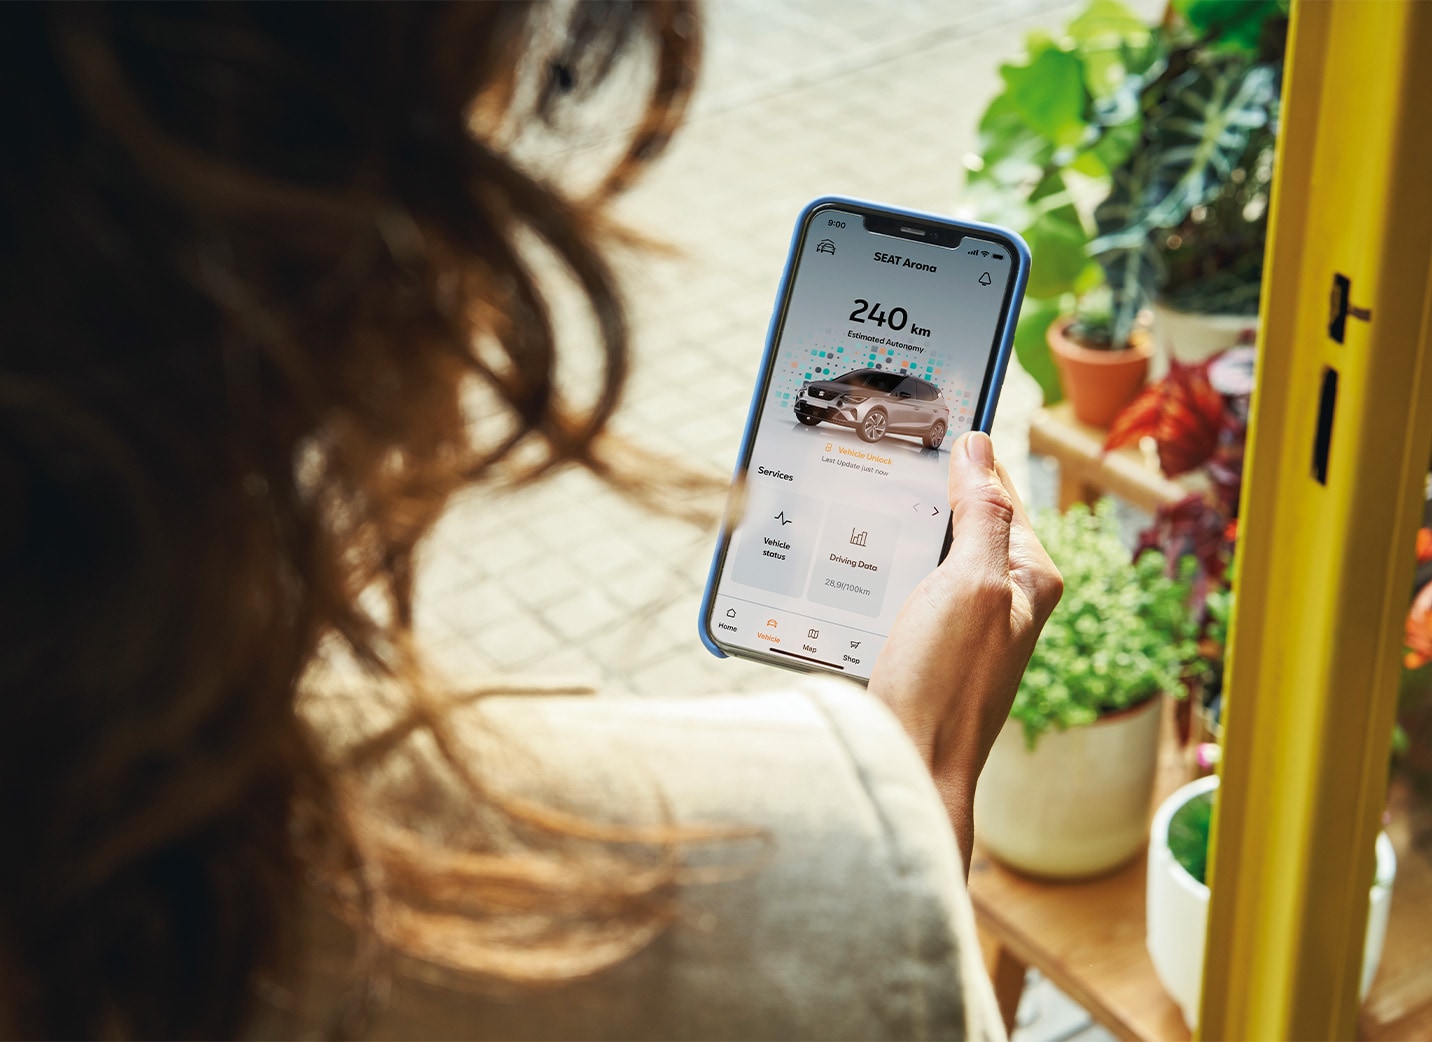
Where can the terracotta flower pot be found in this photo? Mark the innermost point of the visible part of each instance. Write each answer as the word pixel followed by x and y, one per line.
pixel 1099 383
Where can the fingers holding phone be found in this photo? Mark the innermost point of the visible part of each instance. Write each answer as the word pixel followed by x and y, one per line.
pixel 958 648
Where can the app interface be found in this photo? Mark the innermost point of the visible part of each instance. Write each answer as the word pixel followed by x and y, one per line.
pixel 878 368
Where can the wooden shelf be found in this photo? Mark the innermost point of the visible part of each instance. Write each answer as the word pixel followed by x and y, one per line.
pixel 1088 937
pixel 1086 472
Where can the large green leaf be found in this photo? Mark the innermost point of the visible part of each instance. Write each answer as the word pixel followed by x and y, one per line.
pixel 1196 139
pixel 1012 153
pixel 1032 349
pixel 1048 94
pixel 1133 272
pixel 1057 240
pixel 1057 248
pixel 1118 116
pixel 1142 66
pixel 1105 22
pixel 1231 24
pixel 1111 150
pixel 995 203
pixel 1132 276
pixel 1104 34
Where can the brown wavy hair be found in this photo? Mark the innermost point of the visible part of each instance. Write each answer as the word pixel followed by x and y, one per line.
pixel 267 300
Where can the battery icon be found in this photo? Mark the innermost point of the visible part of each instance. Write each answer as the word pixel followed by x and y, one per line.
pixel 999 256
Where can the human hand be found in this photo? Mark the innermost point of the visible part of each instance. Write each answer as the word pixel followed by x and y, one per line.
pixel 952 664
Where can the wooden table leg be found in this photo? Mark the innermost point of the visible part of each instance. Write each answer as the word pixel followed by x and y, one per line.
pixel 1008 973
pixel 1073 488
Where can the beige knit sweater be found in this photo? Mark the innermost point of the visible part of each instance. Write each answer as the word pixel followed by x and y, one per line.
pixel 854 922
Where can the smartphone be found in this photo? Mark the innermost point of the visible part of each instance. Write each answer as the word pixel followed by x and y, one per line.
pixel 890 337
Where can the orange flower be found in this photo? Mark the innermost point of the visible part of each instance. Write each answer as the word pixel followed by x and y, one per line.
pixel 1424 545
pixel 1419 630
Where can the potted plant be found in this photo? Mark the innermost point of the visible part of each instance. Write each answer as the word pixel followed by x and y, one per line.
pixel 1177 910
pixel 1067 787
pixel 1099 378
pixel 1140 157
pixel 1184 226
pixel 1178 894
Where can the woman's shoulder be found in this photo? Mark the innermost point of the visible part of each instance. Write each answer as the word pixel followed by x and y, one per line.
pixel 848 919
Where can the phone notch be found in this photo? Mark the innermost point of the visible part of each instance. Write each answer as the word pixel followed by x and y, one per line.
pixel 916 231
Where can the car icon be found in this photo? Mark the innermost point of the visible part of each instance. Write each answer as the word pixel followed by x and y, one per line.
pixel 825 246
pixel 875 403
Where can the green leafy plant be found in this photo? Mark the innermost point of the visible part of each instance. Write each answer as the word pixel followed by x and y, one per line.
pixel 1138 157
pixel 1186 216
pixel 1188 832
pixel 1122 633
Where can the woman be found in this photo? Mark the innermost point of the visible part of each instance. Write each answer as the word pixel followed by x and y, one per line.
pixel 259 263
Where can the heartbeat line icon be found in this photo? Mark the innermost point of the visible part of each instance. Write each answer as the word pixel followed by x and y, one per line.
pixel 781 517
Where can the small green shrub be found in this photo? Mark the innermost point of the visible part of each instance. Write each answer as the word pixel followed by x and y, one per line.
pixel 1122 633
pixel 1188 832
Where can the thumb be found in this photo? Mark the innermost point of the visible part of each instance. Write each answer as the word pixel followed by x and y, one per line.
pixel 978 496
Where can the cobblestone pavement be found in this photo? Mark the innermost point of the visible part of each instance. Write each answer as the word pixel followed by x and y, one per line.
pixel 798 99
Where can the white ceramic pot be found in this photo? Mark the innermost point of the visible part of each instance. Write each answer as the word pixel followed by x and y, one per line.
pixel 1193 337
pixel 1178 910
pixel 1078 804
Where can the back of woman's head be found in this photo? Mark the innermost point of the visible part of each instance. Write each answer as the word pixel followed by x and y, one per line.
pixel 248 257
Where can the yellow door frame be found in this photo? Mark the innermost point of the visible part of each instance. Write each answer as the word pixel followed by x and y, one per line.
pixel 1331 496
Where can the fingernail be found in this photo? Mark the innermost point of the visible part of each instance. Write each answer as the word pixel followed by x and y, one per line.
pixel 979 448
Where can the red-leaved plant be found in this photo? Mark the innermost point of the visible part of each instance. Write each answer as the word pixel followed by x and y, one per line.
pixel 1193 425
pixel 1182 413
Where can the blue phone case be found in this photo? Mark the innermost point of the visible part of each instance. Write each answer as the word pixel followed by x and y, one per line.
pixel 983 421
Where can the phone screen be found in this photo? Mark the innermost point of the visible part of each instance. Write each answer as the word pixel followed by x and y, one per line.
pixel 886 350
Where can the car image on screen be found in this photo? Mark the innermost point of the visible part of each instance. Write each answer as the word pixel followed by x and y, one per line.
pixel 876 403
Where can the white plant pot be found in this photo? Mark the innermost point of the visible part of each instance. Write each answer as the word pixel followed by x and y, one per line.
pixel 1078 804
pixel 1178 910
pixel 1193 337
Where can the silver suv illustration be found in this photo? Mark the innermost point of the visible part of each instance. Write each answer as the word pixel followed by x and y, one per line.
pixel 876 403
